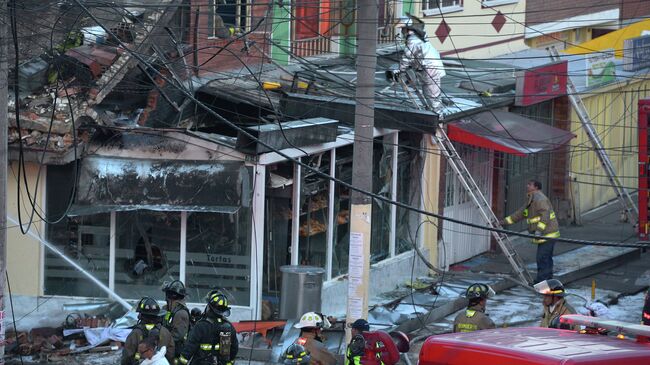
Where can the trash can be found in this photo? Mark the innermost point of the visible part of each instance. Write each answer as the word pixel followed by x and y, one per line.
pixel 301 290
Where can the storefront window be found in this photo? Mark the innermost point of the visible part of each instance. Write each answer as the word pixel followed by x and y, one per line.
pixel 85 239
pixel 314 196
pixel 408 191
pixel 218 255
pixel 341 244
pixel 147 253
pixel 382 179
pixel 277 234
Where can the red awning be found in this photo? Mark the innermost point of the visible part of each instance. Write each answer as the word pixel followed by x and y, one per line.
pixel 508 132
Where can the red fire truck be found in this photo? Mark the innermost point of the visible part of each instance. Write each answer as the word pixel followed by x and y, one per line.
pixel 541 346
pixel 644 169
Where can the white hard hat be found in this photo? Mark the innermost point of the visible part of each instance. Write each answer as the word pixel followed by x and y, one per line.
pixel 310 319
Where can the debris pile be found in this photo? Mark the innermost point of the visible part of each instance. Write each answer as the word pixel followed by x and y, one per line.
pixel 50 343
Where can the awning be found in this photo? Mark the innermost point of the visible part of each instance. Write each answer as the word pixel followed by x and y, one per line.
pixel 508 132
pixel 108 184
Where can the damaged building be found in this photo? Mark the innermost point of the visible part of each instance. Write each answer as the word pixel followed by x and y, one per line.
pixel 141 185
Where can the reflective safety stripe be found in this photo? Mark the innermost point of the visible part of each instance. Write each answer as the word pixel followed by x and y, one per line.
pixel 470 313
pixel 149 327
pixel 534 220
pixel 525 214
pixel 509 220
pixel 183 360
pixel 209 347
pixel 466 327
pixel 552 214
pixel 555 234
pixel 137 356
pixel 541 226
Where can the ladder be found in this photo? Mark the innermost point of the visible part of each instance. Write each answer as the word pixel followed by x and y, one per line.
pixel 460 169
pixel 630 208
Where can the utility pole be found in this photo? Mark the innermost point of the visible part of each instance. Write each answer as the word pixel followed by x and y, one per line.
pixel 4 125
pixel 361 212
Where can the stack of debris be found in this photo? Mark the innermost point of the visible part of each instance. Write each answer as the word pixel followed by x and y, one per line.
pixel 49 343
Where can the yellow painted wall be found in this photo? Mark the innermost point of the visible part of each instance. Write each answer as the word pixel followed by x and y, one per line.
pixel 23 252
pixel 431 184
pixel 613 111
pixel 472 27
pixel 615 40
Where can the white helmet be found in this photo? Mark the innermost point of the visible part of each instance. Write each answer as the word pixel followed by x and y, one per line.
pixel 311 319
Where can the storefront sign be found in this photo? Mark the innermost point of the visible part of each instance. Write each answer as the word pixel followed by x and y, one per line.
pixel 636 53
pixel 600 68
pixel 541 83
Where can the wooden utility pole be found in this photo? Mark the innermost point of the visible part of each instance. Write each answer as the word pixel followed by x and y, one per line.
pixel 361 212
pixel 4 125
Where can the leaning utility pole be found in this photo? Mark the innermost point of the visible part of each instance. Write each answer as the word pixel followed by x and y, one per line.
pixel 364 114
pixel 4 125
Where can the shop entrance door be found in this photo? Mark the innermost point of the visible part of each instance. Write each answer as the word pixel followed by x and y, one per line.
pixel 462 242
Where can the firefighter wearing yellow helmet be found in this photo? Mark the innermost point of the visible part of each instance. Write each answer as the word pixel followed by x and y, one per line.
pixel 474 317
pixel 213 340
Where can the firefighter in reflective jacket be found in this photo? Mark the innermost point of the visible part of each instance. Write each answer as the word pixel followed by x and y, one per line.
pixel 357 346
pixel 542 222
pixel 213 340
pixel 177 318
pixel 149 318
pixel 311 325
pixel 474 317
pixel 554 303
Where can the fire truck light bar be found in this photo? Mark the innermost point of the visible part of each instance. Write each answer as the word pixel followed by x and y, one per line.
pixel 611 325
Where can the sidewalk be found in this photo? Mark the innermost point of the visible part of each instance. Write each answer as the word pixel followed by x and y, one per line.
pixel 572 262
pixel 601 224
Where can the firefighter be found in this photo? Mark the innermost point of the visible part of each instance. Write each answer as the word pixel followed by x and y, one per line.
pixel 311 325
pixel 542 222
pixel 296 354
pixel 149 325
pixel 213 340
pixel 357 346
pixel 423 58
pixel 474 317
pixel 177 318
pixel 555 305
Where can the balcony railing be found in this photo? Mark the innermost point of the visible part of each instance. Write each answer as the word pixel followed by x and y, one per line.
pixel 310 46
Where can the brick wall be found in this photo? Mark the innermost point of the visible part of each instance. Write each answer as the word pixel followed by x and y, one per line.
pixel 542 11
pixel 635 9
pixel 222 54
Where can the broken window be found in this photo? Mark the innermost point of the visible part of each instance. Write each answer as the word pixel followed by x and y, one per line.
pixel 219 255
pixel 85 239
pixel 381 211
pixel 409 172
pixel 341 245
pixel 147 252
pixel 314 197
